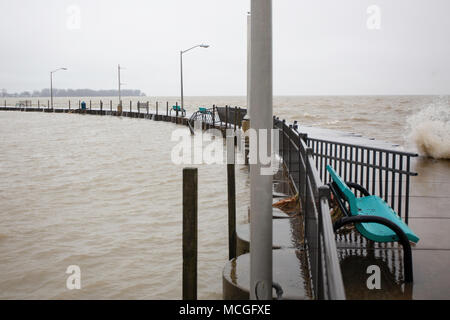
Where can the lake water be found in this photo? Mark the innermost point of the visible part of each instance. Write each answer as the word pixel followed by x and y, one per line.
pixel 103 194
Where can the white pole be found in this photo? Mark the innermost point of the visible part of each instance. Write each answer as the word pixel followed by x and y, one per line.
pixel 247 116
pixel 261 118
pixel 118 74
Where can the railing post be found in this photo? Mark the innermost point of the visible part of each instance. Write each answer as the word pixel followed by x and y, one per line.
pixel 190 233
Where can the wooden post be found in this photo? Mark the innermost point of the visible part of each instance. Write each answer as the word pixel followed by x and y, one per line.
pixel 226 117
pixel 48 104
pixel 167 108
pixel 110 105
pixel 90 105
pixel 69 104
pixel 101 106
pixel 156 107
pixel 39 105
pixel 130 105
pixel 235 118
pixel 79 104
pixel 239 118
pixel 148 107
pixel 231 211
pixel 190 196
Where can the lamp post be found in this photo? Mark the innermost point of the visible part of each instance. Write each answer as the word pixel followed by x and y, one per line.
pixel 51 84
pixel 120 83
pixel 261 120
pixel 181 69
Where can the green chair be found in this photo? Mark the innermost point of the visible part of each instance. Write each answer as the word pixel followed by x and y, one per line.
pixel 373 218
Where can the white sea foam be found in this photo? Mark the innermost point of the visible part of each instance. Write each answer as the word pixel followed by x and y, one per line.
pixel 429 130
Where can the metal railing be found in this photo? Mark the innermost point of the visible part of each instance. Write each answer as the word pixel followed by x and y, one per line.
pixel 319 235
pixel 382 172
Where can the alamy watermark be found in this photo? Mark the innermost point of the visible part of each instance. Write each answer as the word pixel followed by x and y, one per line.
pixel 74 280
pixel 374 280
pixel 73 21
pixel 207 147
pixel 374 17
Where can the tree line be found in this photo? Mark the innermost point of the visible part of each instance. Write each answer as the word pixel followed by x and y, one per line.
pixel 74 93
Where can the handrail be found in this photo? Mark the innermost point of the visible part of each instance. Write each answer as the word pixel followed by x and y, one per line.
pixel 320 240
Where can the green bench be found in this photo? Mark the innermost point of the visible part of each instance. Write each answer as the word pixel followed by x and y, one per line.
pixel 373 218
pixel 178 109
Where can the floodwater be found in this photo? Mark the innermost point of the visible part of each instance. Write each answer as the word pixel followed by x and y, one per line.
pixel 102 192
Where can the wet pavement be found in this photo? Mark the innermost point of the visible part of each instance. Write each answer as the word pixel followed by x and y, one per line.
pixel 429 218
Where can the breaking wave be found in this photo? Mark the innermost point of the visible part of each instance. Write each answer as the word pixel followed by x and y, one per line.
pixel 430 130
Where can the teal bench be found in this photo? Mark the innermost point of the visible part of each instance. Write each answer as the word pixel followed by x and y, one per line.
pixel 373 217
pixel 178 109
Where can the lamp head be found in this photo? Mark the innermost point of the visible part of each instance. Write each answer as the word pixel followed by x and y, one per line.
pixel 204 46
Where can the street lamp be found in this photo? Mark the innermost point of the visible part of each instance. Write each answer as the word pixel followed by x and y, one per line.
pixel 51 84
pixel 181 68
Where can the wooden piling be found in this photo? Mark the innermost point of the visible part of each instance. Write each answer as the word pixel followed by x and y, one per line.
pixel 156 108
pixel 226 117
pixel 190 197
pixel 231 211
pixel 130 105
pixel 69 104
pixel 110 105
pixel 167 108
pixel 48 104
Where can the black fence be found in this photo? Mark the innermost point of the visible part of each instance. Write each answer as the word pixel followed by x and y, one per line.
pixel 320 240
pixel 382 172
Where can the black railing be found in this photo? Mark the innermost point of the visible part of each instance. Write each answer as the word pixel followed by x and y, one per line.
pixel 382 172
pixel 320 240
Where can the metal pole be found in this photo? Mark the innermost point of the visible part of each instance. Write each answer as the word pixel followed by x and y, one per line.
pixel 249 34
pixel 181 73
pixel 261 119
pixel 118 73
pixel 51 89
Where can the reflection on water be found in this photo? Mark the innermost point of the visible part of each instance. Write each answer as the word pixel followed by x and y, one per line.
pixel 355 263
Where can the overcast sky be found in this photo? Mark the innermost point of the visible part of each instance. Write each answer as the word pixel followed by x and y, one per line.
pixel 320 47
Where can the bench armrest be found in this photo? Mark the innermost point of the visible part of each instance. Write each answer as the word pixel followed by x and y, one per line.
pixel 359 188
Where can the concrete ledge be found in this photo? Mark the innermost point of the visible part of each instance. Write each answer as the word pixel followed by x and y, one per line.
pixel 289 270
pixel 283 235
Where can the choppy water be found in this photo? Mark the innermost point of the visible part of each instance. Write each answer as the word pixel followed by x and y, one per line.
pixel 417 123
pixel 102 193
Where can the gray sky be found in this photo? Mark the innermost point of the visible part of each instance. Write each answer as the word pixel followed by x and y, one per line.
pixel 320 47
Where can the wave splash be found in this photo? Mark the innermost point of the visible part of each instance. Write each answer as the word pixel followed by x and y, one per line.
pixel 430 130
